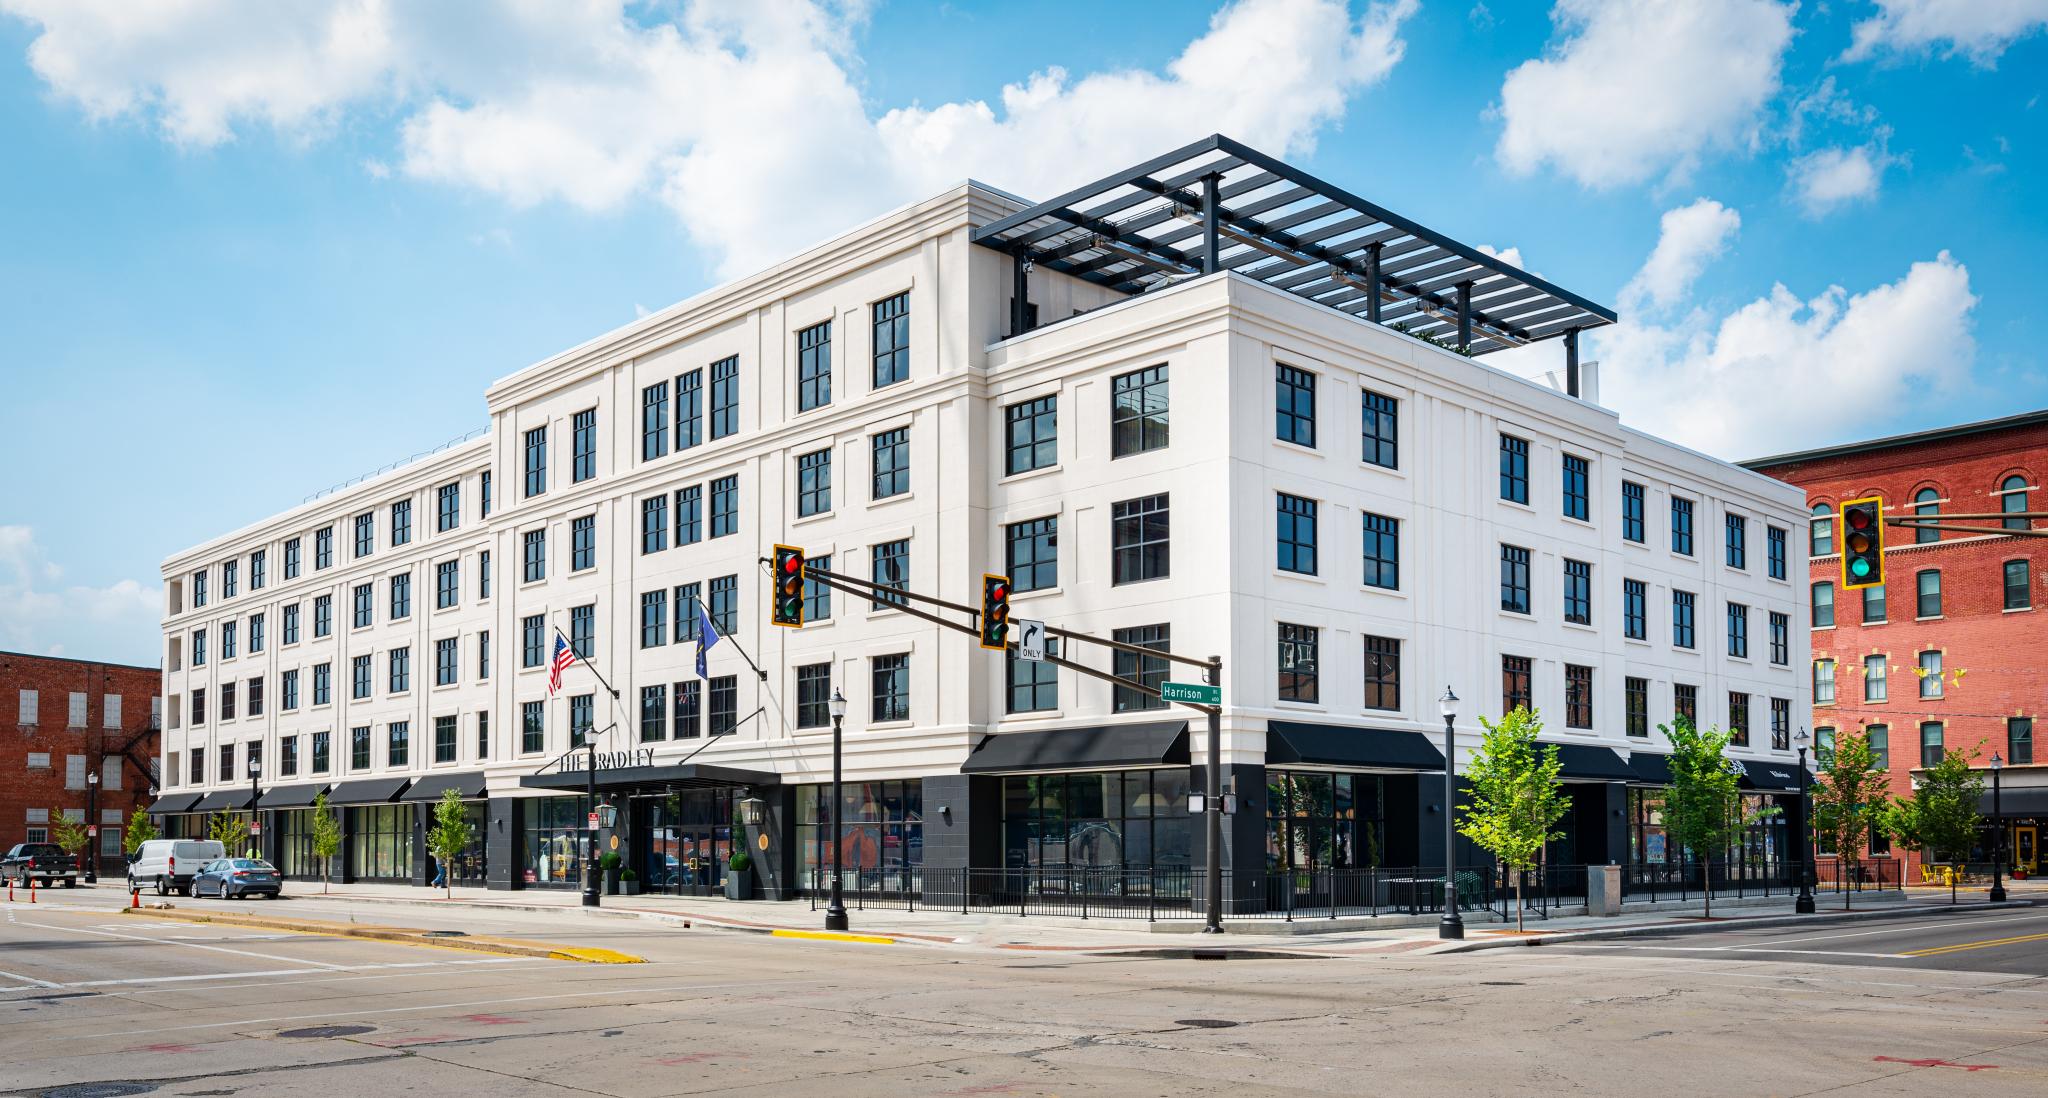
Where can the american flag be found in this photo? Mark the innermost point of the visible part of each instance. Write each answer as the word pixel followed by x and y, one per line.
pixel 564 656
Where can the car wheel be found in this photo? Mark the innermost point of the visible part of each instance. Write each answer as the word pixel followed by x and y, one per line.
pixel 162 888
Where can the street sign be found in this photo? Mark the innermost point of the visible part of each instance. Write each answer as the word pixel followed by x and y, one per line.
pixel 255 828
pixel 593 821
pixel 1195 692
pixel 1198 803
pixel 92 831
pixel 1030 639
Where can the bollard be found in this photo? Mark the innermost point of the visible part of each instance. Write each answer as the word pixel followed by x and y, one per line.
pixel 31 890
pixel 10 890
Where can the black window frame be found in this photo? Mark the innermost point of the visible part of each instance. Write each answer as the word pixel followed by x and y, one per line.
pixel 725 506
pixel 725 397
pixel 1380 550
pixel 889 463
pixel 1147 671
pixel 1635 609
pixel 1379 429
pixel 814 695
pixel 654 523
pixel 1635 704
pixel 1296 656
pixel 1294 533
pixel 814 367
pixel 1294 405
pixel 1382 673
pixel 1517 683
pixel 889 687
pixel 1735 532
pixel 1140 411
pixel 1514 469
pixel 889 567
pixel 582 543
pixel 1031 553
pixel 583 446
pixel 1578 591
pixel 1136 554
pixel 1031 435
pixel 890 320
pixel 814 483
pixel 1577 487
pixel 2017 595
pixel 1682 526
pixel 1775 538
pixel 689 409
pixel 1632 511
pixel 1684 620
pixel 1923 598
pixel 536 461
pixel 1578 695
pixel 654 421
pixel 1514 579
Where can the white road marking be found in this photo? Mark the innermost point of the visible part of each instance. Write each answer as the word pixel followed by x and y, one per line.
pixel 1741 949
pixel 1811 974
pixel 336 979
pixel 29 980
pixel 279 972
pixel 187 945
pixel 1955 924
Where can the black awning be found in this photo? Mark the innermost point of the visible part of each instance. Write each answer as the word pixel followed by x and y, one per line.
pixel 233 800
pixel 290 796
pixel 1348 745
pixel 1100 747
pixel 370 791
pixel 1650 767
pixel 2013 803
pixel 174 803
pixel 1587 763
pixel 468 786
pixel 1769 776
pixel 679 775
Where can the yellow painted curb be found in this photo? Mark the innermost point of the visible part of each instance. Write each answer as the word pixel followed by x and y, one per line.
pixel 403 935
pixel 597 956
pixel 829 936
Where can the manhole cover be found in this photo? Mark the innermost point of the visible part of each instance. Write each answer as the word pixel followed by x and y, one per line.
pixel 327 1031
pixel 99 1090
pixel 446 934
pixel 1204 1023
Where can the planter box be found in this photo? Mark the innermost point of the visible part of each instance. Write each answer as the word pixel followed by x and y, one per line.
pixel 739 885
pixel 629 888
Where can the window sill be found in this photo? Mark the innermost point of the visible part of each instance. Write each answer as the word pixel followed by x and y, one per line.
pixel 880 726
pixel 1387 592
pixel 1031 474
pixel 2017 610
pixel 1388 470
pixel 1580 626
pixel 1517 504
pixel 1639 642
pixel 801 520
pixel 1036 593
pixel 1579 522
pixel 1297 705
pixel 1297 447
pixel 1935 617
pixel 1030 715
pixel 885 501
pixel 1300 577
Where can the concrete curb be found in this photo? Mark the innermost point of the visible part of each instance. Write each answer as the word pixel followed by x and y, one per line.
pixel 510 947
pixel 680 919
pixel 1819 918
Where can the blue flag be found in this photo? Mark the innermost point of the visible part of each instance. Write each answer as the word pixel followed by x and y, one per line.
pixel 707 635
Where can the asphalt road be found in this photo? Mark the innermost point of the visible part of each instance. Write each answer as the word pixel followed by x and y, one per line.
pixel 2012 942
pixel 197 1009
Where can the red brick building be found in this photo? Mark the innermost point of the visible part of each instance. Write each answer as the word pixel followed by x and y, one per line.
pixel 62 721
pixel 1951 653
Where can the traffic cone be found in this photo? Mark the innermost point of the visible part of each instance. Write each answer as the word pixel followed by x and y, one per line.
pixel 135 896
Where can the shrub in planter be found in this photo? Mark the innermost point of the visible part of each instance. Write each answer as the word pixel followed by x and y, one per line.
pixel 629 882
pixel 739 876
pixel 608 863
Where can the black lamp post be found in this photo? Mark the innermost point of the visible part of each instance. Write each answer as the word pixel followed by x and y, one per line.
pixel 92 828
pixel 1997 834
pixel 590 889
pixel 835 911
pixel 255 823
pixel 1804 904
pixel 1452 925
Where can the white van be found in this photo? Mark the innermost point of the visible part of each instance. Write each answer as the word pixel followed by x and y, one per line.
pixel 168 864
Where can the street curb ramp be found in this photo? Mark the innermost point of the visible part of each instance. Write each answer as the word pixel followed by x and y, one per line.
pixel 1654 930
pixel 511 947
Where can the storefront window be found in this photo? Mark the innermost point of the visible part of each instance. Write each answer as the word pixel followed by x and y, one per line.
pixel 467 867
pixel 1318 819
pixel 551 842
pixel 882 835
pixel 381 841
pixel 689 838
pixel 1110 819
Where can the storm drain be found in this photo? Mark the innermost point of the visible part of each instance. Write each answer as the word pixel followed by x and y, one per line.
pixel 1501 983
pixel 1204 1023
pixel 328 1031
pixel 99 1090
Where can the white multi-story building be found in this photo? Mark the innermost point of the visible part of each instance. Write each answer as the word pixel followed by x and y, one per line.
pixel 1169 428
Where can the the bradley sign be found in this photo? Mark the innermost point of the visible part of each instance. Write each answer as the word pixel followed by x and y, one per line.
pixel 606 760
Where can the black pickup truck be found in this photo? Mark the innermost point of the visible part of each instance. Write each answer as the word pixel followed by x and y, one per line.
pixel 45 862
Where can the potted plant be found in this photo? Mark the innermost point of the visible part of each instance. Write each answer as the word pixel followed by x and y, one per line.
pixel 609 865
pixel 629 882
pixel 739 876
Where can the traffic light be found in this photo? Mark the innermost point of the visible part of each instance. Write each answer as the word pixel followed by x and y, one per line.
pixel 789 585
pixel 995 611
pixel 1862 543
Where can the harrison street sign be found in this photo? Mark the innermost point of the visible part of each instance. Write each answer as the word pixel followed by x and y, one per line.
pixel 1193 692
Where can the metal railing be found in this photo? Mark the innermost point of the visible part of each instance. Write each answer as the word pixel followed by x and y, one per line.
pixel 1653 881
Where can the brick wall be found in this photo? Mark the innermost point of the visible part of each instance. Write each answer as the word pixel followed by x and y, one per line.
pixel 120 755
pixel 1994 660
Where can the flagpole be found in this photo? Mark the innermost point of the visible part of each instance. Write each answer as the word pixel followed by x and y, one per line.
pixel 585 661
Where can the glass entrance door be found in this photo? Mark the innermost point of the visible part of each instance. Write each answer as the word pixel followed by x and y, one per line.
pixel 2026 848
pixel 689 838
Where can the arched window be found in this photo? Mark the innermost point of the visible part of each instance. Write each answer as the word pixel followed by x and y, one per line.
pixel 1924 504
pixel 2015 502
pixel 1823 537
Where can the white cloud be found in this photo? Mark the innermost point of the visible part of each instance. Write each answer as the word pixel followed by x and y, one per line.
pixel 1826 179
pixel 1689 238
pixel 47 616
pixel 1979 30
pixel 745 120
pixel 1638 90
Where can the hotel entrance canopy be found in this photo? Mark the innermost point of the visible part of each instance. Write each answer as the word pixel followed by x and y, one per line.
pixel 1217 205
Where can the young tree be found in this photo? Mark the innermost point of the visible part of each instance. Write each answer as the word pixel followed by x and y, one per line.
pixel 449 837
pixel 326 836
pixel 141 829
pixel 1848 798
pixel 229 830
pixel 67 833
pixel 1701 809
pixel 1513 798
pixel 1939 821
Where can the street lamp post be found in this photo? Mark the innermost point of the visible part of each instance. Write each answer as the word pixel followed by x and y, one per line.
pixel 1804 904
pixel 255 826
pixel 92 826
pixel 1452 925
pixel 835 911
pixel 590 889
pixel 1997 834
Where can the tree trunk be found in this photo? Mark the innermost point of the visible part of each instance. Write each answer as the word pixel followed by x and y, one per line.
pixel 323 878
pixel 1518 901
pixel 1707 886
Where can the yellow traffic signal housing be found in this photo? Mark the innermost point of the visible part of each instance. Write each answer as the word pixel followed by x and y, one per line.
pixel 789 586
pixel 995 611
pixel 1863 543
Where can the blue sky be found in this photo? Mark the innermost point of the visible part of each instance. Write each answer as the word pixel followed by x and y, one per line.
pixel 250 250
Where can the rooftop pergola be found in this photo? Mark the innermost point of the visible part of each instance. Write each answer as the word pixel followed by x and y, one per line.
pixel 1217 205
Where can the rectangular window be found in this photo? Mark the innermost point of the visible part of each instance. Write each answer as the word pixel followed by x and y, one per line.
pixel 1380 429
pixel 447 507
pixel 1681 526
pixel 1781 639
pixel 483 483
pixel 889 566
pixel 689 410
pixel 814 367
pixel 536 461
pixel 227 764
pixel 1138 412
pixel 1296 534
pixel 447 661
pixel 1738 719
pixel 229 572
pixel 1635 699
pixel 1033 441
pixel 1632 511
pixel 1578 592
pixel 289 687
pixel 533 728
pixel 892 339
pixel 1774 551
pixel 199 648
pixel 198 589
pixel 198 706
pixel 725 605
pixel 1875 688
pixel 401 597
pixel 1294 405
pixel 2019 740
pixel 359 678
pixel 323 548
pixel 483 734
pixel 1738 630
pixel 444 739
pixel 814 483
pixel 689 710
pixel 1880 738
pixel 2019 585
pixel 1033 685
pixel 1873 605
pixel 483 574
pixel 447 584
pixel 288 756
pixel 227 640
pixel 813 695
pixel 1138 539
pixel 725 703
pixel 1578 492
pixel 653 619
pixel 366 534
pixel 1685 702
pixel 1737 541
pixel 725 506
pixel 725 397
pixel 1514 469
pixel 227 702
pixel 1514 579
pixel 582 718
pixel 291 558
pixel 400 660
pixel 1682 619
pixel 583 444
pixel 1382 673
pixel 1147 671
pixel 483 655
pixel 1515 683
pixel 398 743
pixel 401 523
pixel 583 630
pixel 891 678
pixel 291 623
pixel 1929 670
pixel 533 640
pixel 1928 586
pixel 323 683
pixel 654 421
pixel 654 523
pixel 685 597
pixel 1297 663
pixel 365 606
pixel 817 596
pixel 534 554
pixel 1930 743
pixel 689 515
pixel 891 463
pixel 1382 549
pixel 321 752
pixel 1823 682
pixel 654 713
pixel 1578 696
pixel 1781 724
pixel 583 542
pixel 1635 604
pixel 1823 605
pixel 1033 554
